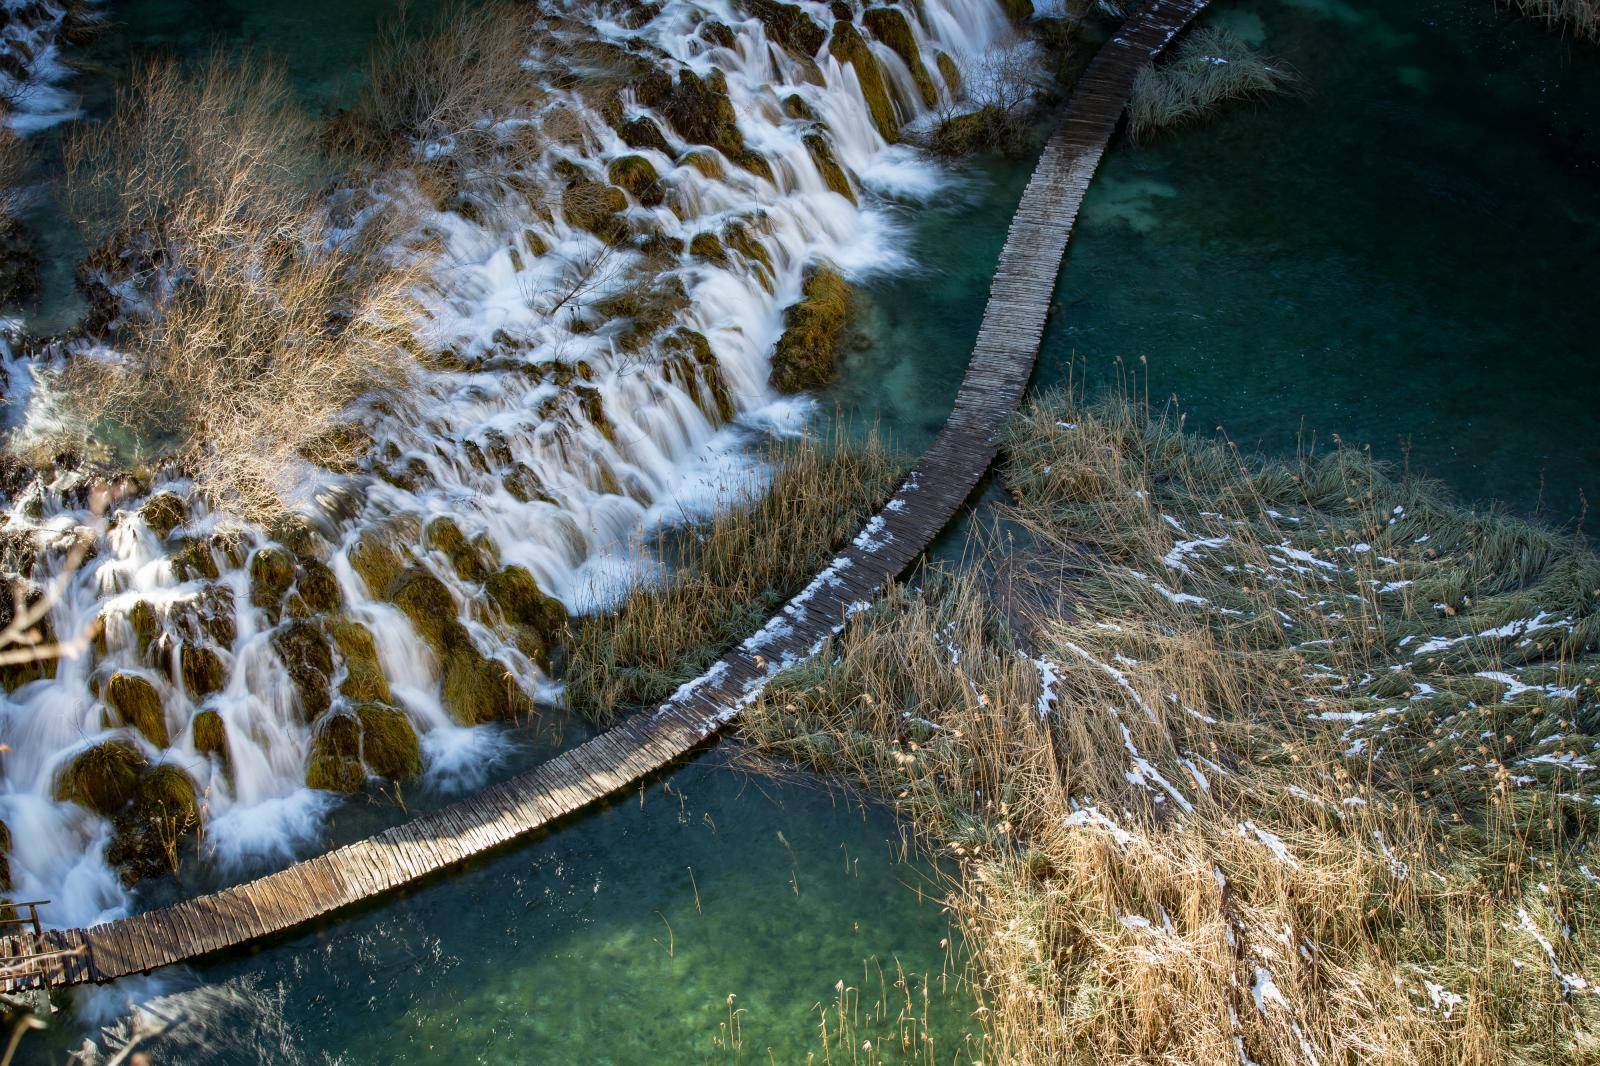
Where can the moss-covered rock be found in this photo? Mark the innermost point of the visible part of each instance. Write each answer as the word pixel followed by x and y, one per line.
pixel 795 106
pixel 148 835
pixel 708 246
pixel 164 512
pixel 363 674
pixel 192 560
pixel 638 177
pixel 705 161
pixel 848 46
pixel 813 328
pixel 211 735
pixel 373 556
pixel 832 172
pixel 641 133
pixel 335 763
pixel 389 744
pixel 318 586
pixel 789 27
pixel 425 600
pixel 1019 11
pixel 271 574
pixel 949 71
pixel 102 778
pixel 594 206
pixel 303 649
pixel 538 620
pixel 203 671
pixel 467 558
pixel 988 129
pixel 5 858
pixel 889 25
pixel 477 689
pixel 700 110
pixel 134 701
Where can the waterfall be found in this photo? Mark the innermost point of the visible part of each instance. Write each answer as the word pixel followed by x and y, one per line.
pixel 542 435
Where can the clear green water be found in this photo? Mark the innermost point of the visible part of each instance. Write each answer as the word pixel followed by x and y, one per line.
pixel 1405 255
pixel 616 939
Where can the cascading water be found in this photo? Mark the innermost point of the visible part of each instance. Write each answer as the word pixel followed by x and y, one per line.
pixel 549 431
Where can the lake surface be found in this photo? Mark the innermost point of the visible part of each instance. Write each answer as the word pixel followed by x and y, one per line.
pixel 1405 253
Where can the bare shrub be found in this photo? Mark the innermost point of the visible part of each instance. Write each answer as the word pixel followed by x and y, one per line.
pixel 247 323
pixel 445 90
pixel 999 87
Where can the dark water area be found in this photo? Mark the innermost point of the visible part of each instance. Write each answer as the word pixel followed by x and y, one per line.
pixel 712 915
pixel 1404 254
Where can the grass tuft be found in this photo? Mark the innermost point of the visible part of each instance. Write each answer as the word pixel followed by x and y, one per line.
pixel 1280 761
pixel 1208 67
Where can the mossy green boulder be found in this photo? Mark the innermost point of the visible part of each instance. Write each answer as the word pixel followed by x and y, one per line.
pixel 635 174
pixel 135 701
pixel 271 574
pixel 148 834
pixel 389 744
pixel 833 173
pixel 849 47
pixel 374 557
pixel 363 674
pixel 594 206
pixel 102 778
pixel 889 25
pixel 303 649
pixel 335 764
pixel 164 512
pixel 813 330
pixel 538 620
pixel 211 735
pixel 318 586
pixel 701 111
pixel 203 671
pixel 789 27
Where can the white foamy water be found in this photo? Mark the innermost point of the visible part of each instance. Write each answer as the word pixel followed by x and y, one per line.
pixel 551 442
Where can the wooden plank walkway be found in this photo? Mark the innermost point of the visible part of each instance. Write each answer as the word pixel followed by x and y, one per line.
pixel 1001 365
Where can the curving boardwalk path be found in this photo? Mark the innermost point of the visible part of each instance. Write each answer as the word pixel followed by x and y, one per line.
pixel 1002 362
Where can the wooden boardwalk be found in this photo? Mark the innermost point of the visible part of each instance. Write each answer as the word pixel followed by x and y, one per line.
pixel 1001 365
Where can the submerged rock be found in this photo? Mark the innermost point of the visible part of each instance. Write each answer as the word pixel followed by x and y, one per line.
pixel 134 701
pixel 813 327
pixel 102 778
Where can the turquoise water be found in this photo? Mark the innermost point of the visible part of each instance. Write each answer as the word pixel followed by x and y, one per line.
pixel 619 938
pixel 1405 254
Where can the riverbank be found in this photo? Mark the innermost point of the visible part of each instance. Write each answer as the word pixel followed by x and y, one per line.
pixel 1240 757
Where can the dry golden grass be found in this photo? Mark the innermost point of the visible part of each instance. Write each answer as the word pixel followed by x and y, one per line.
pixel 729 574
pixel 1239 833
pixel 253 322
pixel 1581 18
